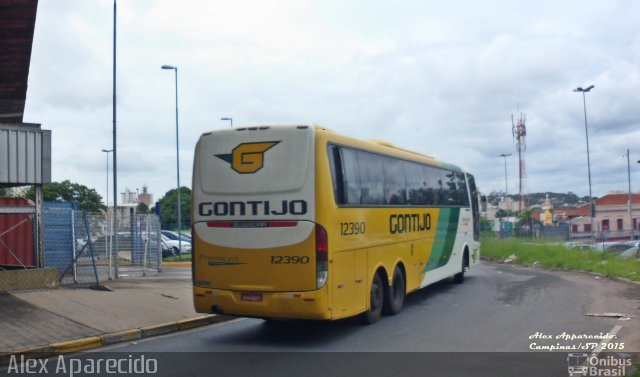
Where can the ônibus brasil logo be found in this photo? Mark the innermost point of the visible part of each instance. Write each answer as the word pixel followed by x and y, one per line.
pixel 247 158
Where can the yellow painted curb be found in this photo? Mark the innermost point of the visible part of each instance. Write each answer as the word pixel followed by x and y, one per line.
pixel 161 329
pixel 192 323
pixel 121 336
pixel 77 345
pixel 84 344
pixel 176 264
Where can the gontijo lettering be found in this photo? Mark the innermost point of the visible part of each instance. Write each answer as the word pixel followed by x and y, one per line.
pixel 414 222
pixel 253 208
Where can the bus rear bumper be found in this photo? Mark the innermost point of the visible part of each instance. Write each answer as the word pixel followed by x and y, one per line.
pixel 293 305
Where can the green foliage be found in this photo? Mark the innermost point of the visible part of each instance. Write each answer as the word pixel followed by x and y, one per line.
pixel 557 256
pixel 87 199
pixel 3 192
pixel 485 225
pixel 142 208
pixel 185 257
pixel 557 198
pixel 169 208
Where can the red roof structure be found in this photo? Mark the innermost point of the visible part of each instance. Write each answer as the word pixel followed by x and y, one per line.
pixel 17 23
pixel 617 200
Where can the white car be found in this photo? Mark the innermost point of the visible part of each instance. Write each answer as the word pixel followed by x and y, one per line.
pixel 174 244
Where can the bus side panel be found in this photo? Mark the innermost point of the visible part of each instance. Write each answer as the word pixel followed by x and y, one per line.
pixel 446 234
pixel 387 257
pixel 415 272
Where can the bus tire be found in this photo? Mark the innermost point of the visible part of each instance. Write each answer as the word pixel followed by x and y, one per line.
pixel 394 298
pixel 376 301
pixel 459 277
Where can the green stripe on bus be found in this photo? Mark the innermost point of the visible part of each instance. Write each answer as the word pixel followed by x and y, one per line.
pixel 444 239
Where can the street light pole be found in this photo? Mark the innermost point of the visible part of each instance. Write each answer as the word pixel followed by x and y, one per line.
pixel 175 69
pixel 506 188
pixel 629 200
pixel 106 198
pixel 110 226
pixel 586 131
pixel 229 119
pixel 115 149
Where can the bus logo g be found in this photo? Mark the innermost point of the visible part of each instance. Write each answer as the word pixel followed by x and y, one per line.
pixel 247 158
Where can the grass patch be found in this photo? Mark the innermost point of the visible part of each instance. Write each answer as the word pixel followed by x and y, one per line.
pixel 185 257
pixel 556 256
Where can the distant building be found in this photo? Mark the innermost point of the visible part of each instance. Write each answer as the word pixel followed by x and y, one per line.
pixel 145 197
pixel 129 197
pixel 508 204
pixel 134 198
pixel 612 220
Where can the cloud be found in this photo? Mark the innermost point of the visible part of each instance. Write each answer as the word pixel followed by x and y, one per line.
pixel 441 78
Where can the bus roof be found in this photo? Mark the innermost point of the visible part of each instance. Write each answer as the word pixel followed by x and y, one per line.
pixel 385 148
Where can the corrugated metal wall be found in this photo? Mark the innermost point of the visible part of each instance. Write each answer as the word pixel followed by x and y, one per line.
pixel 25 155
pixel 16 235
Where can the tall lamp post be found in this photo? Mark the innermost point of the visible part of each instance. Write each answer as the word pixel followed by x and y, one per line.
pixel 229 119
pixel 106 199
pixel 629 199
pixel 175 69
pixel 506 188
pixel 586 131
pixel 115 149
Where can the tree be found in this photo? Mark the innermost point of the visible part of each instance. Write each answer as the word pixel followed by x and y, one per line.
pixel 169 210
pixel 87 198
pixel 526 220
pixel 501 213
pixel 142 208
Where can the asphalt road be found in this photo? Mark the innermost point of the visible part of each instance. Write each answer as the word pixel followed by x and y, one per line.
pixel 499 322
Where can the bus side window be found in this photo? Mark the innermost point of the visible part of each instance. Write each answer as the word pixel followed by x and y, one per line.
pixel 475 207
pixel 353 185
pixel 416 183
pixel 395 189
pixel 371 178
pixel 462 195
pixel 338 174
pixel 433 188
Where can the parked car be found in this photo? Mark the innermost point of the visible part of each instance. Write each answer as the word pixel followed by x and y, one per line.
pixel 174 235
pixel 632 252
pixel 167 250
pixel 578 245
pixel 614 247
pixel 175 245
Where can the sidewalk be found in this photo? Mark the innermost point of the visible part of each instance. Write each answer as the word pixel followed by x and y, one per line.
pixel 46 320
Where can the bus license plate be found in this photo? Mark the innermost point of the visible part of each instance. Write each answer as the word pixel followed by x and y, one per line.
pixel 249 296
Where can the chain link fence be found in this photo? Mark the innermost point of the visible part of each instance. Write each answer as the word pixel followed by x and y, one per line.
pixel 89 248
pixel 74 247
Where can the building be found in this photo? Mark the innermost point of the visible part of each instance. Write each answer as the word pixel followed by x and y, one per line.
pixel 612 221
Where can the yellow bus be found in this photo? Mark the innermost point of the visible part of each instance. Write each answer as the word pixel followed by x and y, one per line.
pixel 301 222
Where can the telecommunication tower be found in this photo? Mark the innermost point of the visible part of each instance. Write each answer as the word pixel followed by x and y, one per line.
pixel 519 131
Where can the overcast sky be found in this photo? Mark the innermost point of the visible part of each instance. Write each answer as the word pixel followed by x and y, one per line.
pixel 439 77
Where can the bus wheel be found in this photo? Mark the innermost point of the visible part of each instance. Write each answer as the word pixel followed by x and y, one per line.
pixel 375 301
pixel 459 277
pixel 395 294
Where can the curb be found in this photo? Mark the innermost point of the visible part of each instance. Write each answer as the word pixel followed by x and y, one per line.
pixel 176 264
pixel 83 344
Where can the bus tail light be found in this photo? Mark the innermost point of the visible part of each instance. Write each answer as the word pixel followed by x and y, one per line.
pixel 322 256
